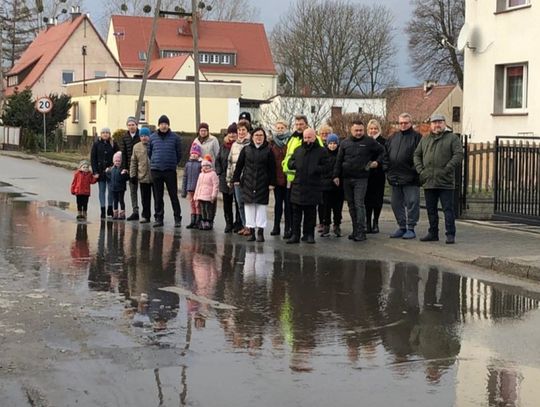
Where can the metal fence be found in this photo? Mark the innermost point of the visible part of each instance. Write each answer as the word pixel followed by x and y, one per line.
pixel 517 172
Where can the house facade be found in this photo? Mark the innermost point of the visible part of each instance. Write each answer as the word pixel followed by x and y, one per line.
pixel 228 51
pixel 108 102
pixel 501 74
pixel 61 54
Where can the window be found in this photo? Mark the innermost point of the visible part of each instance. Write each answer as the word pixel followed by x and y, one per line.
pixel 509 5
pixel 214 59
pixel 13 80
pixel 226 59
pixel 516 3
pixel 100 74
pixel 142 56
pixel 67 77
pixel 511 88
pixel 313 109
pixel 93 111
pixel 75 112
pixel 144 112
pixel 335 111
pixel 203 58
pixel 456 114
pixel 170 54
pixel 360 110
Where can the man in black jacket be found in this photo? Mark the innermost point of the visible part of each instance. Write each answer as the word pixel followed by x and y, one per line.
pixel 129 139
pixel 402 176
pixel 356 155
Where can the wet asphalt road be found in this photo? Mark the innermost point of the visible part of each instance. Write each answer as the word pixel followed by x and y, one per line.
pixel 85 320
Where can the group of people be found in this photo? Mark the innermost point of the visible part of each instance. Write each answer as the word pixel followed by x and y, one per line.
pixel 308 173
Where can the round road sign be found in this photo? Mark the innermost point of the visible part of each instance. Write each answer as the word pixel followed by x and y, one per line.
pixel 44 105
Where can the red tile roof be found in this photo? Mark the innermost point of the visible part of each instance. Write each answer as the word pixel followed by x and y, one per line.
pixel 247 40
pixel 42 51
pixel 166 68
pixel 415 101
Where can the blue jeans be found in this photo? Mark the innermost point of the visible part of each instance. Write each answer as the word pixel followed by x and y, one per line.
pixel 240 202
pixel 446 197
pixel 406 205
pixel 104 187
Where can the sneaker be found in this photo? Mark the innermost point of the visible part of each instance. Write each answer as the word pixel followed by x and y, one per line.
pixel 450 239
pixel 409 234
pixel 145 220
pixel 429 238
pixel 133 216
pixel 398 234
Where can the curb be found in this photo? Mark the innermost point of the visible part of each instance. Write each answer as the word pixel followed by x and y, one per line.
pixel 508 266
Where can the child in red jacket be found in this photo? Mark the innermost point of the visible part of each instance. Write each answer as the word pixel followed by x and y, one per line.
pixel 80 187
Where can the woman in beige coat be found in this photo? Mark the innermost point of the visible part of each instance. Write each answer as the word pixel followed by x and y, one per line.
pixel 140 170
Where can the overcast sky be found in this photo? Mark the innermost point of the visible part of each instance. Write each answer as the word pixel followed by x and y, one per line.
pixel 271 10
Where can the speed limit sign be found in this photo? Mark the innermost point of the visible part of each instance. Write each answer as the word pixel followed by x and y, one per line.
pixel 44 104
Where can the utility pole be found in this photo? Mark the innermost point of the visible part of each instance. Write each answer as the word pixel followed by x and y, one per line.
pixel 2 12
pixel 148 60
pixel 195 33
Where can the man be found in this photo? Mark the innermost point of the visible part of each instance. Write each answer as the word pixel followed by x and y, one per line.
pixel 436 159
pixel 403 178
pixel 129 139
pixel 356 155
pixel 309 161
pixel 164 151
pixel 209 144
pixel 140 168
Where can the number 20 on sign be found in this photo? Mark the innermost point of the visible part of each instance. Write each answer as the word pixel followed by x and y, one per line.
pixel 44 106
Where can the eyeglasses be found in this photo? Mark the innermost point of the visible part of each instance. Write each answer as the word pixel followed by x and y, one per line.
pixel 402 123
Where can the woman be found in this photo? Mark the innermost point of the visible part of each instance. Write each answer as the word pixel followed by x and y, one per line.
pixel 255 173
pixel 376 182
pixel 101 158
pixel 324 131
pixel 243 139
pixel 281 198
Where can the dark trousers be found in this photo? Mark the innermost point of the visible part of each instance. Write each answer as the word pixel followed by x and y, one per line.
pixel 118 200
pixel 288 210
pixel 446 196
pixel 168 179
pixel 282 207
pixel 355 193
pixel 82 202
pixel 309 213
pixel 332 203
pixel 208 210
pixel 133 195
pixel 146 198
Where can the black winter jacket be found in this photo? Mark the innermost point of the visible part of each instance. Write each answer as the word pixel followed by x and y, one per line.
pixel 126 147
pixel 355 154
pixel 101 156
pixel 398 159
pixel 256 171
pixel 222 161
pixel 328 173
pixel 310 162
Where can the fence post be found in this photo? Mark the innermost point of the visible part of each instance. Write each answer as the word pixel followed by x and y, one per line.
pixel 496 176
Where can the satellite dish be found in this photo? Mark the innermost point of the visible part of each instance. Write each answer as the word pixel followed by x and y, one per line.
pixel 464 39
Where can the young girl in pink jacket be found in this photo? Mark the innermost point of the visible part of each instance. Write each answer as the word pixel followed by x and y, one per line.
pixel 206 193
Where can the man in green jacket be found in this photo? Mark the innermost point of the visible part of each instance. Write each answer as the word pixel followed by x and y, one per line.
pixel 436 159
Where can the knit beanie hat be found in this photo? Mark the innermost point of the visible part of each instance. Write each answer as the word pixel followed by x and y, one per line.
pixel 245 116
pixel 164 119
pixel 332 138
pixel 131 119
pixel 144 131
pixel 207 160
pixel 203 126
pixel 105 130
pixel 195 149
pixel 232 129
pixel 83 163
pixel 117 157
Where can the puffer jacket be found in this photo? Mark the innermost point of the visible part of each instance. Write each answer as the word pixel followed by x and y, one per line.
pixel 294 142
pixel 139 166
pixel 81 182
pixel 207 187
pixel 222 161
pixel 398 159
pixel 354 155
pixel 101 156
pixel 436 159
pixel 310 161
pixel 255 170
pixel 126 147
pixel 164 150
pixel 117 179
pixel 234 154
pixel 192 169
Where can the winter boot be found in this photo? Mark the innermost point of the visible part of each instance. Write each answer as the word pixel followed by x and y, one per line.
pixel 122 215
pixel 228 224
pixel 79 215
pixel 310 238
pixel 193 223
pixel 115 214
pixel 110 211
pixel 133 216
pixel 326 231
pixel 84 215
pixel 260 235
pixel 337 230
pixel 103 213
pixel 276 231
pixel 178 222
pixel 375 228
pixel 210 225
pixel 198 222
pixel 368 227
pixel 251 236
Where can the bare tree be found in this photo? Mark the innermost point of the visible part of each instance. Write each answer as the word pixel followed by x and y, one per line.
pixel 433 33
pixel 231 10
pixel 334 48
pixel 18 30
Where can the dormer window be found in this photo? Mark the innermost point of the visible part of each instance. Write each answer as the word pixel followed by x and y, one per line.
pixel 204 58
pixel 226 59
pixel 13 80
pixel 142 56
pixel 214 59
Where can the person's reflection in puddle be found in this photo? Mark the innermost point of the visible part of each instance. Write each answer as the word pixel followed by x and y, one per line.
pixel 80 248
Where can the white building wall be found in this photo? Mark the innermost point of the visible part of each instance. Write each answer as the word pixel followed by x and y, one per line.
pixel 500 38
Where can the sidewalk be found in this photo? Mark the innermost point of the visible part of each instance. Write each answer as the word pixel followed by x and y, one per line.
pixel 500 246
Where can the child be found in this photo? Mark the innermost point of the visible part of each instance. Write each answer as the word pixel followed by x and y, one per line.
pixel 118 178
pixel 332 195
pixel 206 193
pixel 80 187
pixel 192 170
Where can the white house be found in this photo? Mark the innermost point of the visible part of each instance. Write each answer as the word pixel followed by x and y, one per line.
pixel 502 69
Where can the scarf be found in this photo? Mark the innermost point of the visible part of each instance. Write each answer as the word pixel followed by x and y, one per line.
pixel 281 140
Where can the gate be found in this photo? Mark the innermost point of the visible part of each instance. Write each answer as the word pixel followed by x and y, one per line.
pixel 517 172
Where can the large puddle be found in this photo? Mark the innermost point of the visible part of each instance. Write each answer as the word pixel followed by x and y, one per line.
pixel 260 326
